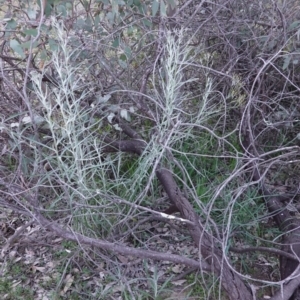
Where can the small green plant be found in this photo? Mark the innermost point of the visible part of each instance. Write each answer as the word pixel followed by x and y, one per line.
pixel 5 285
pixel 199 287
pixel 10 290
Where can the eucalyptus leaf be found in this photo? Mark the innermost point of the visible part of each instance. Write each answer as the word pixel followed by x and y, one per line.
pixel 80 24
pixel 32 32
pixel 155 7
pixel 123 57
pixel 31 13
pixel 15 45
pixel 61 9
pixel 11 24
pixel 116 42
pixel 123 64
pixel 97 20
pixel 147 23
pixel 286 62
pixel 163 10
pixel 127 51
pixel 88 26
pixel 172 3
pixel 53 45
pixel 294 25
pixel 114 108
pixel 110 17
pixel 29 44
pixel 48 8
pixel 69 5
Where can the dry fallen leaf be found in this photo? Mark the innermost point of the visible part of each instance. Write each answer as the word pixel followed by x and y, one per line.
pixel 178 282
pixel 122 259
pixel 177 269
pixel 40 269
pixel 68 282
pixel 16 283
pixel 12 254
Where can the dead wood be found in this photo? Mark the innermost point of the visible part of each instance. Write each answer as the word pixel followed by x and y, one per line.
pixel 288 224
pixel 208 245
pixel 206 242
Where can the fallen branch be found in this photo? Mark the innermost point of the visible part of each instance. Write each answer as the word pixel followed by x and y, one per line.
pixel 118 248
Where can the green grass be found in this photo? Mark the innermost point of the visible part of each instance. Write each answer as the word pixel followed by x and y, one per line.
pixel 203 287
pixel 205 174
pixel 13 283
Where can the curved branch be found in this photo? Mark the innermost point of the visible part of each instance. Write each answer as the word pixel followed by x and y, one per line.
pixel 285 222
